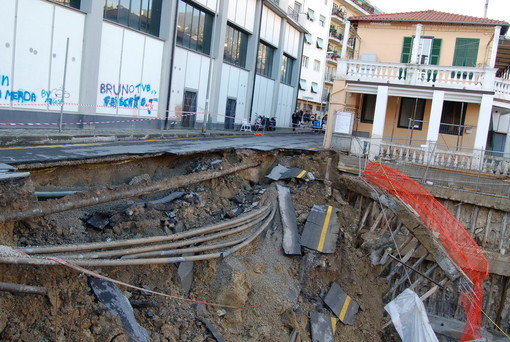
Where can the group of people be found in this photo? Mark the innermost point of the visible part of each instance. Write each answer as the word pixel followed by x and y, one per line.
pixel 307 119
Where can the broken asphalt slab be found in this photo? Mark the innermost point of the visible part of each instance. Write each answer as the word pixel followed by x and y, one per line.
pixel 321 229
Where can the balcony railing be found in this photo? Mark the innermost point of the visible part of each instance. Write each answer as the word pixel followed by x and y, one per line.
pixel 293 13
pixel 453 77
pixel 502 89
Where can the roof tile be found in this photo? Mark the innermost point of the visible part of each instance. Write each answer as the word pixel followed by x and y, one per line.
pixel 429 16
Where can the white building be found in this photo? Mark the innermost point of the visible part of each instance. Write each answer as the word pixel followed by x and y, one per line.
pixel 155 63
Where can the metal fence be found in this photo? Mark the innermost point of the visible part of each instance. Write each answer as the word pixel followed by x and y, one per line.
pixel 480 171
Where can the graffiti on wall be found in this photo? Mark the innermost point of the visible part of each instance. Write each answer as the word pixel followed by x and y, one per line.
pixel 135 96
pixel 47 96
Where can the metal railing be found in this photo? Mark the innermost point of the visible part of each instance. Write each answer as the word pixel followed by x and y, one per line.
pixel 482 171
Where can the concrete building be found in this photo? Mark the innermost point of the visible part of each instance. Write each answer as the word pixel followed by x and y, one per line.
pixel 189 63
pixel 325 24
pixel 428 93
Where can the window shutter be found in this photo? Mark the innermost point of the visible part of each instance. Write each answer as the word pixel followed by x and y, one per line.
pixel 466 52
pixel 436 49
pixel 406 50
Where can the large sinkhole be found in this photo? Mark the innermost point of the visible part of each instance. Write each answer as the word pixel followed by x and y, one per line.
pixel 223 274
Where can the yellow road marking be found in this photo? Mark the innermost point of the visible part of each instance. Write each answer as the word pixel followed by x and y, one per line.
pixel 325 226
pixel 344 308
pixel 333 324
pixel 301 174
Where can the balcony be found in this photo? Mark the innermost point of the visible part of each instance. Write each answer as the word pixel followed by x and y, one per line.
pixel 450 77
pixel 293 14
pixel 502 89
pixel 329 78
pixel 338 15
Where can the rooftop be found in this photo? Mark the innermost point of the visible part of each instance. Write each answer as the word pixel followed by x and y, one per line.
pixel 430 16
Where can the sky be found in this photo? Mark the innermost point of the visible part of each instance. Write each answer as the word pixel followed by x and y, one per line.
pixel 498 9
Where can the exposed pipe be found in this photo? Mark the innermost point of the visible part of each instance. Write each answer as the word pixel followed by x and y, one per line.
pixel 140 241
pixel 9 287
pixel 111 194
pixel 130 262
pixel 151 248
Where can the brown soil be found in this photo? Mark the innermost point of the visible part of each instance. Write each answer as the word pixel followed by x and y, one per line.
pixel 284 289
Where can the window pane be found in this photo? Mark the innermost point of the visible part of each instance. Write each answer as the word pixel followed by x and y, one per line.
pixel 181 10
pixel 134 16
pixel 235 47
pixel 368 108
pixel 452 118
pixel 110 10
pixel 411 113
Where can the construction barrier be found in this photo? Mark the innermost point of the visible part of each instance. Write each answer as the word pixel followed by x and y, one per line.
pixel 452 235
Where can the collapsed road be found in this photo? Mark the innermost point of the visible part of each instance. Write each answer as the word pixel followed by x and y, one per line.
pixel 204 247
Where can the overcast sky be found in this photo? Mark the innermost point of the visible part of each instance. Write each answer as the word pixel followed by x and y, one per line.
pixel 498 9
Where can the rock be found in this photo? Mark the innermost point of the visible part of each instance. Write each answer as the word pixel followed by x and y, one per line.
pixel 98 221
pixel 145 293
pixel 140 179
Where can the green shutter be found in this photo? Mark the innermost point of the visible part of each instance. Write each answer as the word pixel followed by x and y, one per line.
pixel 406 50
pixel 466 52
pixel 436 49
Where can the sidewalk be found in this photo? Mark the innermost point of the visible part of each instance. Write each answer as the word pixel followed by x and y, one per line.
pixel 43 136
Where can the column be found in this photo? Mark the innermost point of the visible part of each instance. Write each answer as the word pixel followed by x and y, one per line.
pixel 345 41
pixel 435 116
pixel 91 55
pixel 482 126
pixel 379 119
pixel 416 45
pixel 167 33
pixel 216 64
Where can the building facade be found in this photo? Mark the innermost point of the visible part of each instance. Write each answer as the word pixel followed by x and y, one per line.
pixel 432 85
pixel 184 63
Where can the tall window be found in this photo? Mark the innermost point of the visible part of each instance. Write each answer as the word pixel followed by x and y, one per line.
pixel 194 28
pixel 236 43
pixel 429 50
pixel 316 65
pixel 322 20
pixel 368 108
pixel 70 3
pixel 297 7
pixel 315 87
pixel 310 15
pixel 305 62
pixel 466 52
pixel 286 72
pixel 411 113
pixel 452 118
pixel 141 15
pixel 265 59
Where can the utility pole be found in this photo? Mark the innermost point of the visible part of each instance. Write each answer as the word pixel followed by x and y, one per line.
pixel 486 8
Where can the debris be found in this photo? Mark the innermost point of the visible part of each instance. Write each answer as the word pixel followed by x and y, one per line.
pixel 290 241
pixel 98 221
pixel 341 304
pixel 321 229
pixel 169 198
pixel 140 179
pixel 185 272
pixel 117 303
pixel 410 319
pixel 322 326
pixel 282 172
pixel 212 329
pixel 146 293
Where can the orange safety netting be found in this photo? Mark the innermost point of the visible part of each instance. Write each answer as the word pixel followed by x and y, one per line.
pixel 452 235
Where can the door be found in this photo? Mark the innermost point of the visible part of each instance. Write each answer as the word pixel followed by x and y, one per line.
pixel 230 113
pixel 189 109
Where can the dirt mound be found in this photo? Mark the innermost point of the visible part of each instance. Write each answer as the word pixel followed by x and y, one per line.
pixel 282 289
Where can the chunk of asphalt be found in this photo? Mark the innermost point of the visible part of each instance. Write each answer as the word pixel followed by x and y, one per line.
pixel 322 326
pixel 341 304
pixel 98 221
pixel 185 272
pixel 115 301
pixel 291 245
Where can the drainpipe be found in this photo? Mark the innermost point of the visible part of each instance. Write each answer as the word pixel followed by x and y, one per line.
pixel 347 29
pixel 495 42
